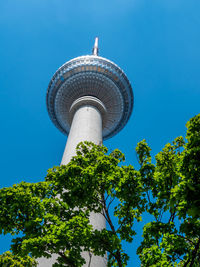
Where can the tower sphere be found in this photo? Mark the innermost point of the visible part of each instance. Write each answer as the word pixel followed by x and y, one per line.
pixel 91 76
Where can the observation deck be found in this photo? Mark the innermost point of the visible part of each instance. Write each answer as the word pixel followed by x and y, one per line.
pixel 95 76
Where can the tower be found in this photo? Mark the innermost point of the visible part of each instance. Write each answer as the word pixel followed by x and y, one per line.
pixel 89 98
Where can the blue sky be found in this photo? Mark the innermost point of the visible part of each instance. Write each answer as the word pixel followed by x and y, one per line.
pixel 155 42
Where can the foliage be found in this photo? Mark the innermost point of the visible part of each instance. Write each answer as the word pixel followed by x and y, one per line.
pixel 172 190
pixel 7 259
pixel 54 216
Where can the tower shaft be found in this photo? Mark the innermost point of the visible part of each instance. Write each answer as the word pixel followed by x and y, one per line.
pixel 86 126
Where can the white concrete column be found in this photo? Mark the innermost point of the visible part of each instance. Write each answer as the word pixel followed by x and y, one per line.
pixel 87 113
pixel 86 125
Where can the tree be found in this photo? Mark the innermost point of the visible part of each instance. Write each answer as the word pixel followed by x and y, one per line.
pixel 172 191
pixel 53 216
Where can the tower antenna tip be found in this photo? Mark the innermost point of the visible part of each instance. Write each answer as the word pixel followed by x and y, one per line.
pixel 95 50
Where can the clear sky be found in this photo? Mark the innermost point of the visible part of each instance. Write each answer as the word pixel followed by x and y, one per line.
pixel 157 44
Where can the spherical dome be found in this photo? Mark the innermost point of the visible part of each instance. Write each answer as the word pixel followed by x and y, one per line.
pixel 90 76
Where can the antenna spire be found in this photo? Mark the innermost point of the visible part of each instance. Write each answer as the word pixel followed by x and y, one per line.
pixel 95 50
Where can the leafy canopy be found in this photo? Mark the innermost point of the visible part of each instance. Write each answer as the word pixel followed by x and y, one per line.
pixel 53 216
pixel 172 192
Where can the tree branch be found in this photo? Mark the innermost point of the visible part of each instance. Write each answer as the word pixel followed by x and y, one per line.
pixel 194 252
pixel 67 260
pixel 117 255
pixel 90 255
pixel 110 203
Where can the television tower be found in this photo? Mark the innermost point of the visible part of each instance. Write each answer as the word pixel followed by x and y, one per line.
pixel 89 98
